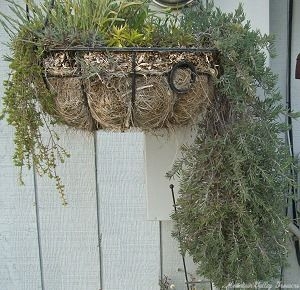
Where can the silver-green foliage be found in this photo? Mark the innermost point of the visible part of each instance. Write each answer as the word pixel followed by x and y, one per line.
pixel 234 178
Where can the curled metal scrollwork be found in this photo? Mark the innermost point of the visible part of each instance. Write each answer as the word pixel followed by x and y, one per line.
pixel 182 65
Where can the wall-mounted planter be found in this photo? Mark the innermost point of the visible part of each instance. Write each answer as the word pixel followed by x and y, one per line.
pixel 233 177
pixel 117 89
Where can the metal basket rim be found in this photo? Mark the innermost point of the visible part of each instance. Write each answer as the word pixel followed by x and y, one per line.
pixel 130 49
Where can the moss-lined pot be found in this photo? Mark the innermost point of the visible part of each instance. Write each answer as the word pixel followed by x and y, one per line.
pixel 148 89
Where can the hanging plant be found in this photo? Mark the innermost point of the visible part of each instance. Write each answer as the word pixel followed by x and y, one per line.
pixel 234 178
pixel 94 64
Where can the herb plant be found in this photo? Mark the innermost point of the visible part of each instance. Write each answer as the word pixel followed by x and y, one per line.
pixel 234 178
pixel 27 103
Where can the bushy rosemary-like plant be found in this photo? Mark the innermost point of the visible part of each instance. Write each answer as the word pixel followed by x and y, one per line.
pixel 234 178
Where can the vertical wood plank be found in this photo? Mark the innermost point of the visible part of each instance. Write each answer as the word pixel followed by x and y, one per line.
pixel 279 28
pixel 69 236
pixel 172 264
pixel 257 11
pixel 160 154
pixel 130 243
pixel 19 255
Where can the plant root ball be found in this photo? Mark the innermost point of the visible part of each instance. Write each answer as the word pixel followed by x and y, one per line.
pixel 192 106
pixel 157 106
pixel 70 102
pixel 153 103
pixel 110 102
pixel 159 90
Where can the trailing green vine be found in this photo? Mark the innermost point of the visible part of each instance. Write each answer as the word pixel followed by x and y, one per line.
pixel 24 91
pixel 234 178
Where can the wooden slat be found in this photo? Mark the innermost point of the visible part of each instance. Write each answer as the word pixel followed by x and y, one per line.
pixel 161 152
pixel 19 256
pixel 130 243
pixel 69 236
pixel 172 264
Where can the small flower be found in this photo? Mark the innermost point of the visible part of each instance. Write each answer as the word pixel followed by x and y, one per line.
pixel 172 286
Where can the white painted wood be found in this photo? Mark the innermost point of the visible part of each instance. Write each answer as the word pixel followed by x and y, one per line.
pixel 19 256
pixel 172 264
pixel 69 236
pixel 257 11
pixel 279 28
pixel 130 243
pixel 161 151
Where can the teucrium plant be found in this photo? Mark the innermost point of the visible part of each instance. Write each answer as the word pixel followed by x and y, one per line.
pixel 234 178
pixel 26 103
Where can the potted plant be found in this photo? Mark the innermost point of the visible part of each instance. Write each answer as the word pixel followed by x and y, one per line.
pixel 98 64
pixel 103 64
